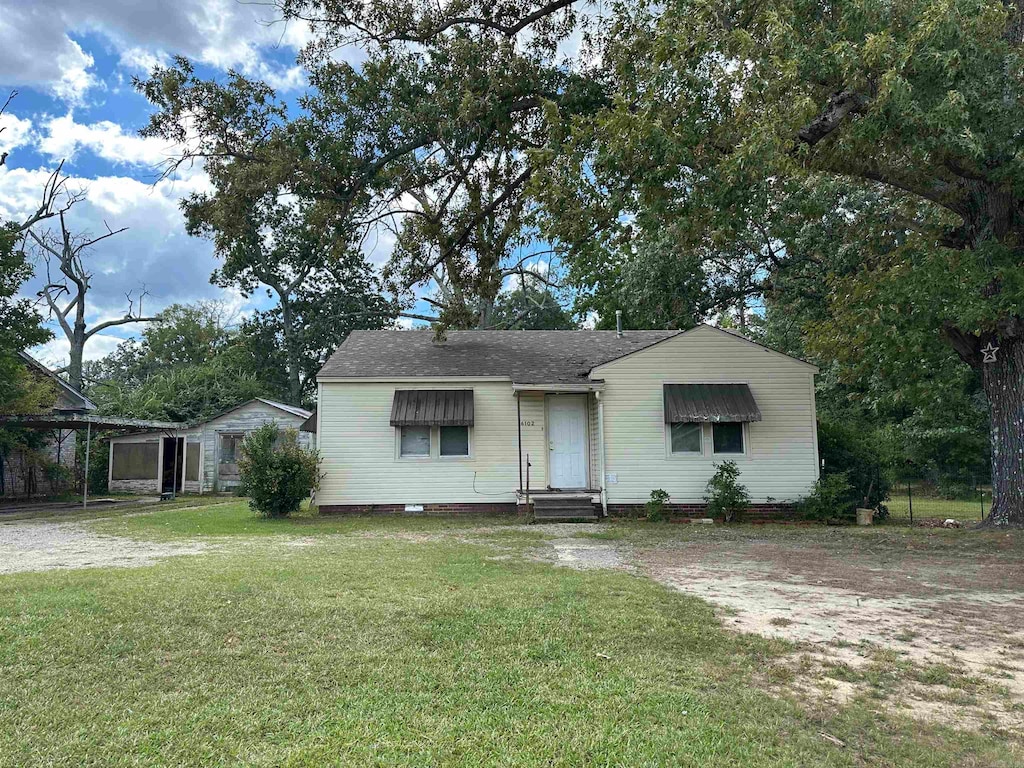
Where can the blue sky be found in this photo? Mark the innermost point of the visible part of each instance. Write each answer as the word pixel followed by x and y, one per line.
pixel 71 63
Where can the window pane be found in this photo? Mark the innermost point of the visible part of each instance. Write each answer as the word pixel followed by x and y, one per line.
pixel 230 448
pixel 728 437
pixel 415 441
pixel 686 437
pixel 455 441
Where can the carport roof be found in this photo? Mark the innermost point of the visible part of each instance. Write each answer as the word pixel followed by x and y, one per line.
pixel 83 420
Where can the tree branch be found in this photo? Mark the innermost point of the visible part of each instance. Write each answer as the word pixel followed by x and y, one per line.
pixel 840 105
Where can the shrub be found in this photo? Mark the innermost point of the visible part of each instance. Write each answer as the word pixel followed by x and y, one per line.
pixel 725 496
pixel 277 474
pixel 832 497
pixel 656 510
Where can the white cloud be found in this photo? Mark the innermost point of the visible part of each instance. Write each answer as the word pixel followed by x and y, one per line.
pixel 63 137
pixel 37 45
pixel 154 253
pixel 17 132
pixel 141 61
pixel 75 78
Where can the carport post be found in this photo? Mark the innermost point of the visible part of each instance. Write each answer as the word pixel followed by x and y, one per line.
pixel 85 478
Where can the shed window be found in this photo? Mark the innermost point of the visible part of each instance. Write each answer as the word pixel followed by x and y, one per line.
pixel 192 461
pixel 134 461
pixel 728 437
pixel 454 441
pixel 415 441
pixel 230 448
pixel 686 437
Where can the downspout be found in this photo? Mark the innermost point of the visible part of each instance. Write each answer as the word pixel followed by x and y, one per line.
pixel 600 437
pixel 519 436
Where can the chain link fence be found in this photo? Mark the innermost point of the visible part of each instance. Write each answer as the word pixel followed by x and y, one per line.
pixel 965 498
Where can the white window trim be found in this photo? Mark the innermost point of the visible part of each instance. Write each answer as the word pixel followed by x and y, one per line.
pixel 469 445
pixel 684 455
pixel 745 453
pixel 435 447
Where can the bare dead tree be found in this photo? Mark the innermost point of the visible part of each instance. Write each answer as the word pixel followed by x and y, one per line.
pixel 66 294
pixel 54 190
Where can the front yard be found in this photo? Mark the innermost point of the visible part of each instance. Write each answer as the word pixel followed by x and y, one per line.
pixel 397 641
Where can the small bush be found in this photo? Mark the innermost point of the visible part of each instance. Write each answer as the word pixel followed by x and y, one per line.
pixel 832 497
pixel 656 510
pixel 277 474
pixel 725 496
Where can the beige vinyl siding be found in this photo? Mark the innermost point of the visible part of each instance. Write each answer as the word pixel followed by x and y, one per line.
pixel 781 461
pixel 358 447
pixel 594 445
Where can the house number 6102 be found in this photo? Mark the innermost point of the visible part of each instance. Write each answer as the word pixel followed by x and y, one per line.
pixel 527 423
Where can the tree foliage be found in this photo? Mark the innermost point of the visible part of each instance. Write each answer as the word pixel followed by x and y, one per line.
pixel 20 327
pixel 744 119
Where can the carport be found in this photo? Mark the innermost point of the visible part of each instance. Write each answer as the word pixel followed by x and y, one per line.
pixel 87 422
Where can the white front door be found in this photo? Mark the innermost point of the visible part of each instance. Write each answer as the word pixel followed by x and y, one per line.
pixel 567 441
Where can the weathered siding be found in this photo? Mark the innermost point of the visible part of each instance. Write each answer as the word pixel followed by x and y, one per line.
pixel 21 474
pixel 242 420
pixel 206 438
pixel 134 486
pixel 358 447
pixel 781 462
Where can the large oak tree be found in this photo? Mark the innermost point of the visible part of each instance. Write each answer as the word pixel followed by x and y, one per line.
pixel 723 109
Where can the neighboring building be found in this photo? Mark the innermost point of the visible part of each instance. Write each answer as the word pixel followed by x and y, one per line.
pixel 406 424
pixel 200 458
pixel 25 472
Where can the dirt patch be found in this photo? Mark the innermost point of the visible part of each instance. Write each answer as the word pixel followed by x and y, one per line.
pixel 579 554
pixel 38 546
pixel 931 624
pixel 920 622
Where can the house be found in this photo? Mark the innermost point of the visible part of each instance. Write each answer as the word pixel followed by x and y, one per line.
pixel 24 471
pixel 576 422
pixel 199 458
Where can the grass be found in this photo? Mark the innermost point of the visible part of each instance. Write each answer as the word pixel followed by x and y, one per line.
pixel 99 510
pixel 374 650
pixel 234 518
pixel 959 509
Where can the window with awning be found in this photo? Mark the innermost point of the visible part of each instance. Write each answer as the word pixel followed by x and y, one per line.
pixel 432 408
pixel 690 403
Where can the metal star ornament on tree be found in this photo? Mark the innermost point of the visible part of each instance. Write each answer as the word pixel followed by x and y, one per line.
pixel 989 353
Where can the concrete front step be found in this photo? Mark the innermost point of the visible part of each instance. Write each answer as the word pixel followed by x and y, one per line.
pixel 564 508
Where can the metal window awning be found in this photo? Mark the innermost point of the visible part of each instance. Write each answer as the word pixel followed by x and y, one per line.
pixel 710 402
pixel 432 408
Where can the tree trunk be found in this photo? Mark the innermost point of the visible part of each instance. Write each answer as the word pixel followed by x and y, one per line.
pixel 1003 381
pixel 75 354
pixel 287 319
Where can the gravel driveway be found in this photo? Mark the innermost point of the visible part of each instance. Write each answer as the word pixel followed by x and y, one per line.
pixel 44 546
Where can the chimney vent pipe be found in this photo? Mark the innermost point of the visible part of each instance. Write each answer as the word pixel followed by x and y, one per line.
pixel 618 323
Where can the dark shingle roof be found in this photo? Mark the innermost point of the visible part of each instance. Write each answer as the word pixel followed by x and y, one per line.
pixel 528 357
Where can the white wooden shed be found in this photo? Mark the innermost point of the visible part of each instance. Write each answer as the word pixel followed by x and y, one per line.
pixel 199 458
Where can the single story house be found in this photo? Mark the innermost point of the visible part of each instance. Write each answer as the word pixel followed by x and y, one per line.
pixel 576 423
pixel 199 458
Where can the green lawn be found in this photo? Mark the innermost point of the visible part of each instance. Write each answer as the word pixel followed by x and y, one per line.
pixel 376 650
pixel 959 509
